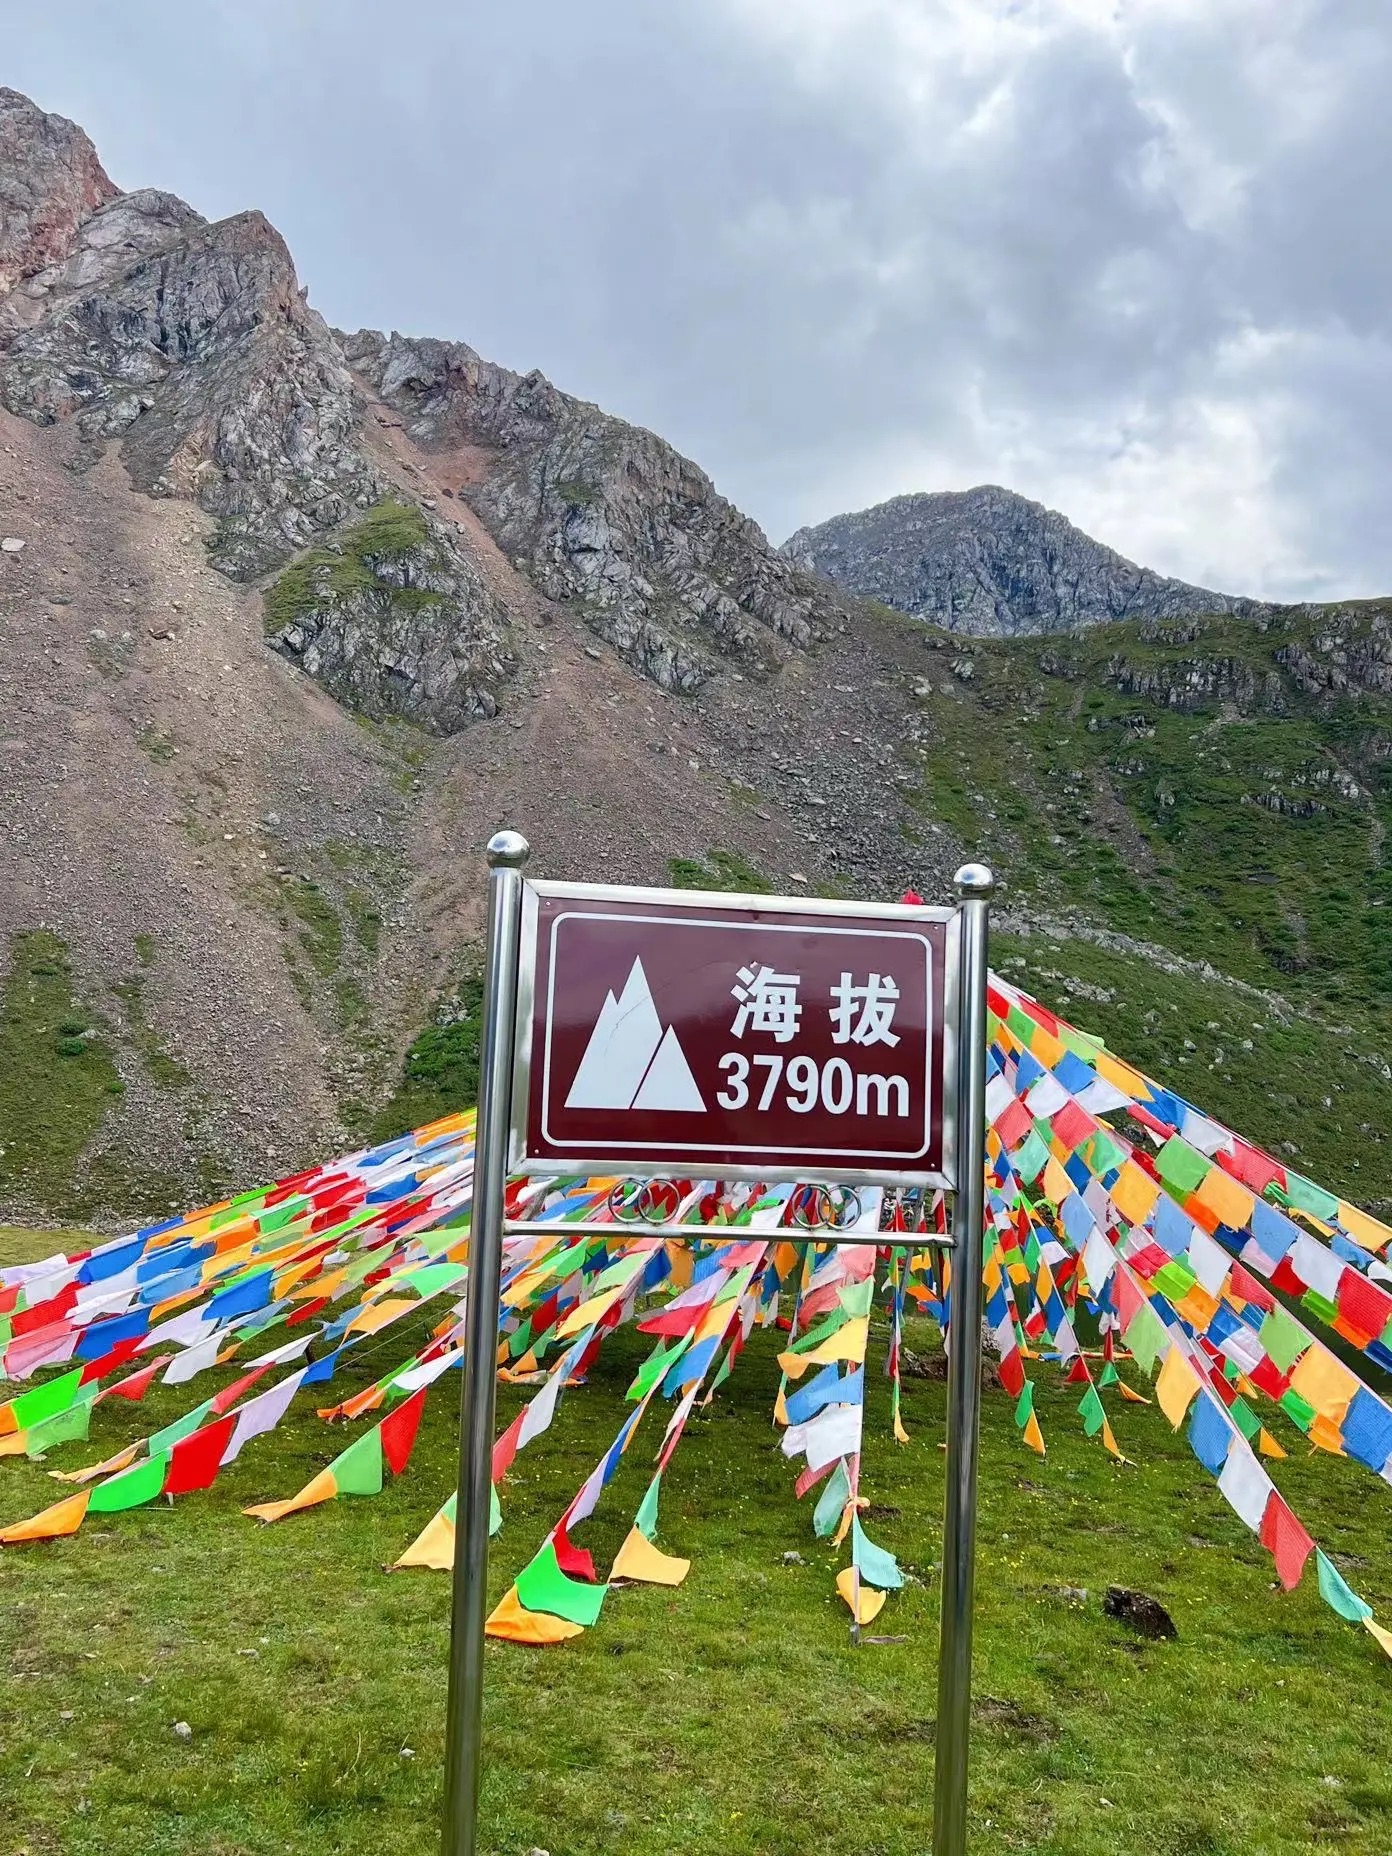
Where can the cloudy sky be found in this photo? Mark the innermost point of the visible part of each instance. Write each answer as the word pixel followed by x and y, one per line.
pixel 1130 257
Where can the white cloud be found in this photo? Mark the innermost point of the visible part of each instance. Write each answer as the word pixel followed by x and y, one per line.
pixel 1132 257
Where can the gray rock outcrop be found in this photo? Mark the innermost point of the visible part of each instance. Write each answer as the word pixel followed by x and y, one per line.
pixel 602 514
pixel 395 622
pixel 992 563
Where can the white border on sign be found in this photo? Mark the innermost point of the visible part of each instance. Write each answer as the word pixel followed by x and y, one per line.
pixel 688 902
pixel 771 1149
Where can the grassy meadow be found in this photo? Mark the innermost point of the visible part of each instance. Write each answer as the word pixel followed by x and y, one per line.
pixel 731 1716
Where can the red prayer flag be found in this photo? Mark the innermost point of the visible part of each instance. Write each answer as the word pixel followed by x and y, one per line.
pixel 194 1461
pixel 399 1431
pixel 575 1562
pixel 1363 1304
pixel 1286 1541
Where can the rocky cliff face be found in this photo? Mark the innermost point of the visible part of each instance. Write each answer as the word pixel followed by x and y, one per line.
pixel 50 181
pixel 602 514
pixel 193 347
pixel 992 563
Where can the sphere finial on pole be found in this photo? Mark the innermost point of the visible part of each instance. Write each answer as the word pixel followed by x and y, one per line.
pixel 508 850
pixel 974 880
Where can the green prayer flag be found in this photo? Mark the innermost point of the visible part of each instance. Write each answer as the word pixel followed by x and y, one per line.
pixel 1091 1412
pixel 1020 1024
pixel 1337 1594
pixel 1147 1337
pixel 1024 1405
pixel 1109 1375
pixel 32 1408
pixel 1306 1196
pixel 856 1299
pixel 1081 1043
pixel 646 1518
pixel 1320 1306
pixel 358 1471
pixel 61 1428
pixel 1100 1153
pixel 824 1330
pixel 132 1488
pixel 179 1429
pixel 654 1367
pixel 1031 1160
pixel 1297 1409
pixel 430 1278
pixel 520 1339
pixel 1175 1279
pixel 831 1504
pixel 1283 1338
pixel 542 1586
pixel 1244 1418
pixel 873 1564
pixel 1181 1166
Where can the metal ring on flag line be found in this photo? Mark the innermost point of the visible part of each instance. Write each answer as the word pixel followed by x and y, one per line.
pixel 644 1201
pixel 830 1208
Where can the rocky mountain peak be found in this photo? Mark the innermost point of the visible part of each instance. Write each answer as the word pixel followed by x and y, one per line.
pixel 50 181
pixel 990 562
pixel 602 514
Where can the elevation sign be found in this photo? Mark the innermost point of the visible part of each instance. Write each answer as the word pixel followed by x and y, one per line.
pixel 727 1038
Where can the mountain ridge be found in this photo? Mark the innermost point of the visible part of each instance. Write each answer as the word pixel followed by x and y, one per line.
pixel 991 563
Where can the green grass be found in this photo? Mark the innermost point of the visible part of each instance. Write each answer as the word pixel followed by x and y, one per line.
pixel 320 931
pixel 386 532
pixel 718 869
pixel 730 1717
pixel 56 1082
pixel 440 1072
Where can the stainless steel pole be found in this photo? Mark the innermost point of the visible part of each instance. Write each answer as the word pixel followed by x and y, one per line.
pixel 953 1736
pixel 507 853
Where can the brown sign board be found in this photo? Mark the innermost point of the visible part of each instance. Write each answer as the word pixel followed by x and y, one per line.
pixel 712 1036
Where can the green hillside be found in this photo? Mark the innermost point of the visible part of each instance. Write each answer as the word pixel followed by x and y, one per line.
pixel 1213 797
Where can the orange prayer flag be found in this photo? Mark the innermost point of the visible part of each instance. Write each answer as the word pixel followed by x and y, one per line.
pixel 55 1523
pixel 322 1488
pixel 1268 1445
pixel 511 1620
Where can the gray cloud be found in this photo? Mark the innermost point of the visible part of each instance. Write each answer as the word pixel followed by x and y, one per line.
pixel 1133 257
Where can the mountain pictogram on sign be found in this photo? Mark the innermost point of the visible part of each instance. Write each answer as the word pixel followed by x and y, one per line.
pixel 630 1061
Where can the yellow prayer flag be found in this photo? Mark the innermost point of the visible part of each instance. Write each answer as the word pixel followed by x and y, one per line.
pixel 871 1602
pixel 1322 1382
pixel 432 1548
pixel 645 1564
pixel 1134 1194
pixel 1362 1229
pixel 1230 1202
pixel 1177 1387
pixel 511 1620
